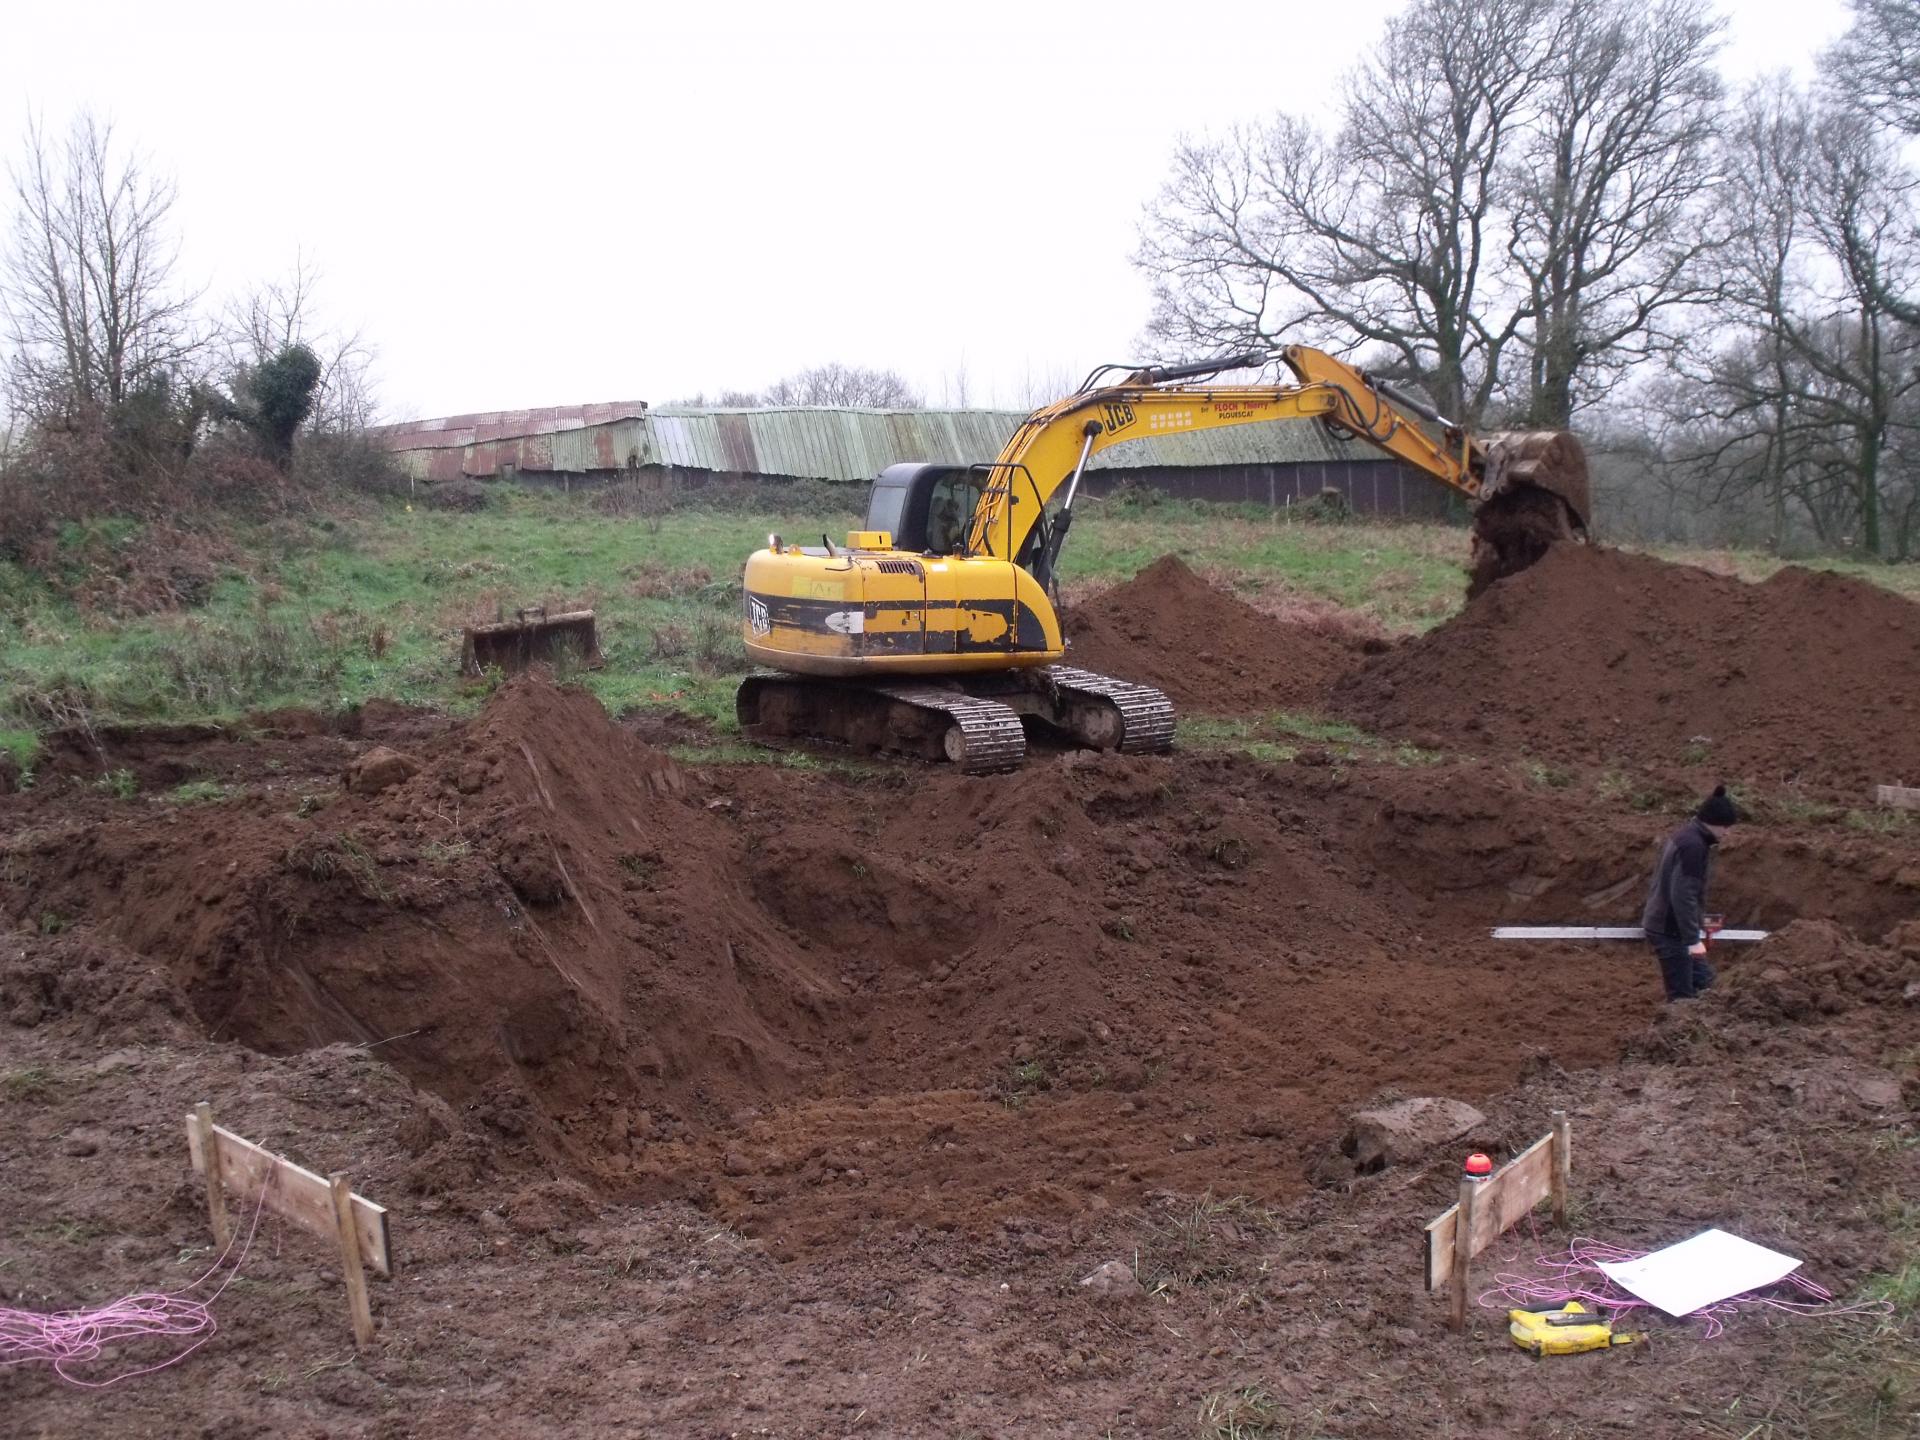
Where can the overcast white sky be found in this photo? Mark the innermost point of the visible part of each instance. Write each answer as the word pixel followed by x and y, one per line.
pixel 548 203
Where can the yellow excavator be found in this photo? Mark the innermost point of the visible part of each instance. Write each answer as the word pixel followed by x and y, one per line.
pixel 931 631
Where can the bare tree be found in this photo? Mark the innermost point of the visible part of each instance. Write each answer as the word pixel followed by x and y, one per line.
pixel 837 384
pixel 1875 66
pixel 1815 394
pixel 1387 232
pixel 1735 420
pixel 87 283
pixel 1608 227
pixel 829 384
pixel 956 387
pixel 1861 204
pixel 281 314
pixel 720 400
pixel 1509 213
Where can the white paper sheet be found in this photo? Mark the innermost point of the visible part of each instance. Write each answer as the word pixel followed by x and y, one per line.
pixel 1696 1273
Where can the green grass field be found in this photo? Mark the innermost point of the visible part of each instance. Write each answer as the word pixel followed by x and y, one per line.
pixel 330 612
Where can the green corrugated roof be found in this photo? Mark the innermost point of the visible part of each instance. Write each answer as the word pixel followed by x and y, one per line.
pixel 825 442
pixel 836 443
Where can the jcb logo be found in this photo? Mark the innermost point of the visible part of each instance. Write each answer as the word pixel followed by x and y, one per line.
pixel 1119 416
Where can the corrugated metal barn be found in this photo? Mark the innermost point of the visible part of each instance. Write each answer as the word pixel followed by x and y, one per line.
pixel 1276 464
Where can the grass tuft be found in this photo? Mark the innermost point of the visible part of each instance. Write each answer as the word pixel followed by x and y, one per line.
pixel 1201 1241
pixel 1248 1412
pixel 199 792
pixel 1900 1289
pixel 20 746
pixel 29 1082
pixel 121 784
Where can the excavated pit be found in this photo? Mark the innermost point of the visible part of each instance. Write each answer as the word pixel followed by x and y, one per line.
pixel 817 1003
pixel 814 1002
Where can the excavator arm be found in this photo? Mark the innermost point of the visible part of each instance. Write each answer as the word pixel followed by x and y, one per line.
pixel 1542 475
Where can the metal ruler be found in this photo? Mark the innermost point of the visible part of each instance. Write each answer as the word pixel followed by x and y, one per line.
pixel 1609 932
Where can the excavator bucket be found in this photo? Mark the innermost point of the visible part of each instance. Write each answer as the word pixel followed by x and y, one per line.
pixel 1536 493
pixel 531 636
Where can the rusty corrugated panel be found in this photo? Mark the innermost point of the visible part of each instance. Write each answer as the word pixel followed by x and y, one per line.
pixel 737 452
pixel 780 446
pixel 571 452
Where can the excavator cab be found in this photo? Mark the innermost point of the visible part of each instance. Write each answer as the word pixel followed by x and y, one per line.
pixel 928 509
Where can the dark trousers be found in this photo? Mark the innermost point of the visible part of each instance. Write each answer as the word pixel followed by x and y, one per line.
pixel 1685 975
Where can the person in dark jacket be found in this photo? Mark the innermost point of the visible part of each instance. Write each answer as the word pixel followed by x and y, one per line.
pixel 1675 915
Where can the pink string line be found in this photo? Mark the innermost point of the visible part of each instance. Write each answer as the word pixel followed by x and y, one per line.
pixel 75 1337
pixel 1575 1274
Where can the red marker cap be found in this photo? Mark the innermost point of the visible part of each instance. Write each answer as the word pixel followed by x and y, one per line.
pixel 1479 1167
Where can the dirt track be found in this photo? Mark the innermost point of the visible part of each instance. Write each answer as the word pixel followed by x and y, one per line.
pixel 918 1036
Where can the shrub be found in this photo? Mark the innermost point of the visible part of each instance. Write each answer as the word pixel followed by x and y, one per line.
pixel 278 395
pixel 718 648
pixel 457 495
pixel 326 462
pixel 1134 497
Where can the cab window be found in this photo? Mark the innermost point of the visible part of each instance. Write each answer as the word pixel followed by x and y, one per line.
pixel 950 507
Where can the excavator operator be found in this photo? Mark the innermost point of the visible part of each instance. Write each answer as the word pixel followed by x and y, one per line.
pixel 950 513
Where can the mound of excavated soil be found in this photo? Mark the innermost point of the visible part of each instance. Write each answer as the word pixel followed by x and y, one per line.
pixel 1209 651
pixel 1602 657
pixel 539 912
pixel 1814 967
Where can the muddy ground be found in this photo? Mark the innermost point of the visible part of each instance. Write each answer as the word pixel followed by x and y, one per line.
pixel 758 1100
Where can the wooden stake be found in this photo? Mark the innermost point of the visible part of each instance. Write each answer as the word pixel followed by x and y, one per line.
pixel 357 1307
pixel 1562 1166
pixel 1462 1255
pixel 216 1199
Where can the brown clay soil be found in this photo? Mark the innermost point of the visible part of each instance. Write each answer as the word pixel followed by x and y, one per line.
pixel 1602 657
pixel 1207 649
pixel 752 1100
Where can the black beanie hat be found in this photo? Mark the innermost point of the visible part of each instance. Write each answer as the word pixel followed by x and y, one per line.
pixel 1718 808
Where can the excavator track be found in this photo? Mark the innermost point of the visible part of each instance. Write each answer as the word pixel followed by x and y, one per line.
pixel 985 738
pixel 933 722
pixel 1146 715
pixel 977 728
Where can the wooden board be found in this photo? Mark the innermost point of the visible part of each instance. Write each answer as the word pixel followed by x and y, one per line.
pixel 1898 797
pixel 1501 1201
pixel 292 1191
